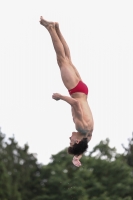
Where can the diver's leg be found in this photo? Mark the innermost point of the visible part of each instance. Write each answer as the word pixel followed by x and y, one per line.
pixel 68 74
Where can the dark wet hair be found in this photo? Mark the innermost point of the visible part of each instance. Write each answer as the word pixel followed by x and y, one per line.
pixel 79 148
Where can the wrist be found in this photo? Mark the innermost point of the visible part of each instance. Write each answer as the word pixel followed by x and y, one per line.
pixel 61 96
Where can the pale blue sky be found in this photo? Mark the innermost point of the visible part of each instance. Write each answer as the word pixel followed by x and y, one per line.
pixel 100 37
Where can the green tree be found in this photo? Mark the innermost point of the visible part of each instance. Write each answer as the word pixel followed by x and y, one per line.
pixel 104 151
pixel 20 171
pixel 5 191
pixel 4 177
pixel 104 174
pixel 101 177
pixel 128 154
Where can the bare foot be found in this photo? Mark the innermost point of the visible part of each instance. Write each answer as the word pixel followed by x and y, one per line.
pixel 45 23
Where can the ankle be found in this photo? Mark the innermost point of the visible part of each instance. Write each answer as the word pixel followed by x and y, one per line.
pixel 51 27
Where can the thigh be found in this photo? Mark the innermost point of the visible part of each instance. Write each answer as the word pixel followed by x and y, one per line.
pixel 76 71
pixel 69 77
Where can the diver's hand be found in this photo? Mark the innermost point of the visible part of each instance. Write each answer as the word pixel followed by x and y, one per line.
pixel 76 161
pixel 56 96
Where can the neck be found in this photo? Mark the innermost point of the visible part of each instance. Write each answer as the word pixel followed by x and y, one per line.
pixel 83 132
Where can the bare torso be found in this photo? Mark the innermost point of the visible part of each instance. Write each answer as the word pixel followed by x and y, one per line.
pixel 86 123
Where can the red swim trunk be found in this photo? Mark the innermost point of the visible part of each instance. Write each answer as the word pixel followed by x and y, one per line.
pixel 80 87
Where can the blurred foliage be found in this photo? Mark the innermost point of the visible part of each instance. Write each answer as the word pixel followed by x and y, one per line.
pixel 104 174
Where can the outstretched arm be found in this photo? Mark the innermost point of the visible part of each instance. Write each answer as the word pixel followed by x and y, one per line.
pixel 73 102
pixel 69 100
